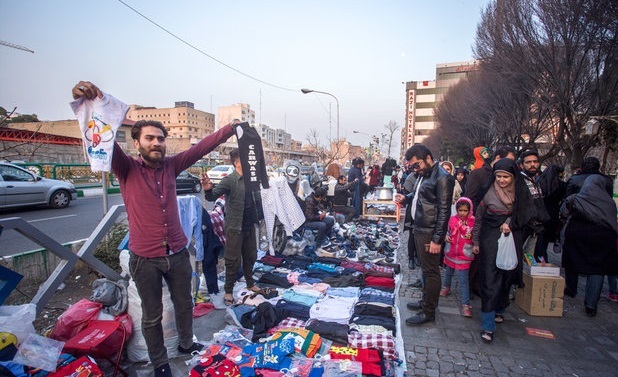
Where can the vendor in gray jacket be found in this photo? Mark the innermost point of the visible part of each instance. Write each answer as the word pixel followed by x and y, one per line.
pixel 430 207
pixel 241 215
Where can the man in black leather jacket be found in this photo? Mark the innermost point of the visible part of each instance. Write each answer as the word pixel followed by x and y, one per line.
pixel 430 206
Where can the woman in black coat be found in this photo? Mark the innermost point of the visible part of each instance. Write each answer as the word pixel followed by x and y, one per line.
pixel 589 238
pixel 506 208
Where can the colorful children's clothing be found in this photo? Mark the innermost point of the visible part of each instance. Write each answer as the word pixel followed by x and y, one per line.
pixel 459 255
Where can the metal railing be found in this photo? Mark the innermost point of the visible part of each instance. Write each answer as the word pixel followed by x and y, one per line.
pixel 69 259
pixel 82 176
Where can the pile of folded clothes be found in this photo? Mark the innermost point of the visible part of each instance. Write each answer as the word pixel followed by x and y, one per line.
pixel 320 310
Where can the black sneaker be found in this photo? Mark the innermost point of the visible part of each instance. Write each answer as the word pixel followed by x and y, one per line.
pixel 192 348
pixel 163 371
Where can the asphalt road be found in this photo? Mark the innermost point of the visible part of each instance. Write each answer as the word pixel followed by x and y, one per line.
pixel 76 222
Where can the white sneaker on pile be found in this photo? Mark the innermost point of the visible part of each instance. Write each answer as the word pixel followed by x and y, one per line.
pixel 217 300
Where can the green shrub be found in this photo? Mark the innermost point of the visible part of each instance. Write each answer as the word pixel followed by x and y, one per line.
pixel 107 251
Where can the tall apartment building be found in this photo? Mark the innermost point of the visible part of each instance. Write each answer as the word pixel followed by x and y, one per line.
pixel 181 121
pixel 185 125
pixel 275 138
pixel 240 111
pixel 267 134
pixel 422 98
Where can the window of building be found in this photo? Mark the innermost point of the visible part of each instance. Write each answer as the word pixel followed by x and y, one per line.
pixel 121 136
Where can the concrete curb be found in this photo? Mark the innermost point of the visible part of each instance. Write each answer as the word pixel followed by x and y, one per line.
pixel 96 191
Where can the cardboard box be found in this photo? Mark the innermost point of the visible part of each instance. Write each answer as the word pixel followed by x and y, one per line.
pixel 542 295
pixel 547 270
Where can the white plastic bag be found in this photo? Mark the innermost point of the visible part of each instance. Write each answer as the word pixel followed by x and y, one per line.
pixel 507 255
pixel 39 352
pixel 17 320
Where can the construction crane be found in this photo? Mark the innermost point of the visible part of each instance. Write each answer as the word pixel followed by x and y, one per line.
pixel 15 46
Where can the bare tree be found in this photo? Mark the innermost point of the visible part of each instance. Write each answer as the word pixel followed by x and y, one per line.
pixel 565 53
pixel 17 150
pixel 325 155
pixel 387 138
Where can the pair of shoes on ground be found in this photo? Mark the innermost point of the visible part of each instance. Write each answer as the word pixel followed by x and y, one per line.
pixel 163 371
pixel 228 299
pixel 466 310
pixel 612 297
pixel 590 312
pixel 192 348
pixel 420 318
pixel 445 291
pixel 487 336
pixel 415 305
pixel 217 300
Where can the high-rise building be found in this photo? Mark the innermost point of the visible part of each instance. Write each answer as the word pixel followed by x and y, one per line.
pixel 181 121
pixel 185 125
pixel 422 98
pixel 241 111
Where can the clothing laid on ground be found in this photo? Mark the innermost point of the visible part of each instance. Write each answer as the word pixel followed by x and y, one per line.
pixel 99 119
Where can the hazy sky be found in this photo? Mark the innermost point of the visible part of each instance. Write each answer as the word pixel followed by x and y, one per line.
pixel 359 51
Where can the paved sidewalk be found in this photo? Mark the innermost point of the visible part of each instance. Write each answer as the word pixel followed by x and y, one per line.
pixel 452 346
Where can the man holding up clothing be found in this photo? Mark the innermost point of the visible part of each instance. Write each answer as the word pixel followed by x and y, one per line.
pixel 157 241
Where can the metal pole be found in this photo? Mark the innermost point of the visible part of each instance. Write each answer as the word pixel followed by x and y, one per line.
pixel 104 184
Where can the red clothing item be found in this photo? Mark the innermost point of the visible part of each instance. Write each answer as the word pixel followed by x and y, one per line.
pixel 478 159
pixel 374 177
pixel 460 231
pixel 150 196
pixel 382 282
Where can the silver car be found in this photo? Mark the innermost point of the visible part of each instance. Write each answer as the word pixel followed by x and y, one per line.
pixel 20 187
pixel 218 172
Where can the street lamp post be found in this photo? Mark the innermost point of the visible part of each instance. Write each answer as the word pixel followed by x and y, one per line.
pixel 370 156
pixel 306 91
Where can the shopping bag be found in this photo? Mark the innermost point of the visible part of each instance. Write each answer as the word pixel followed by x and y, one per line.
pixel 530 244
pixel 507 255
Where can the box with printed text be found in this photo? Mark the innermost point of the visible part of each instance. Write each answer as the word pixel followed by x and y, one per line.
pixel 547 270
pixel 541 296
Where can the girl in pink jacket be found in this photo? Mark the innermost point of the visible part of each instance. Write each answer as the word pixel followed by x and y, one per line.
pixel 458 252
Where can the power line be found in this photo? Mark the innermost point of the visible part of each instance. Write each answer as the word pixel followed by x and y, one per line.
pixel 204 53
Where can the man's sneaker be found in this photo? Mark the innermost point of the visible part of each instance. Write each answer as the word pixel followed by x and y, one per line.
pixel 217 300
pixel 466 310
pixel 163 371
pixel 445 291
pixel 192 348
pixel 325 243
pixel 612 297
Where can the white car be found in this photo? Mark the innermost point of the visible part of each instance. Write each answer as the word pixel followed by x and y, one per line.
pixel 218 172
pixel 20 187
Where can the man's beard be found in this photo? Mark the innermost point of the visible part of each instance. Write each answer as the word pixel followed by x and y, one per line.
pixel 147 157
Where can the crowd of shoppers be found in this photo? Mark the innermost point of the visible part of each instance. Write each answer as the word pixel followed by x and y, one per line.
pixel 508 196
